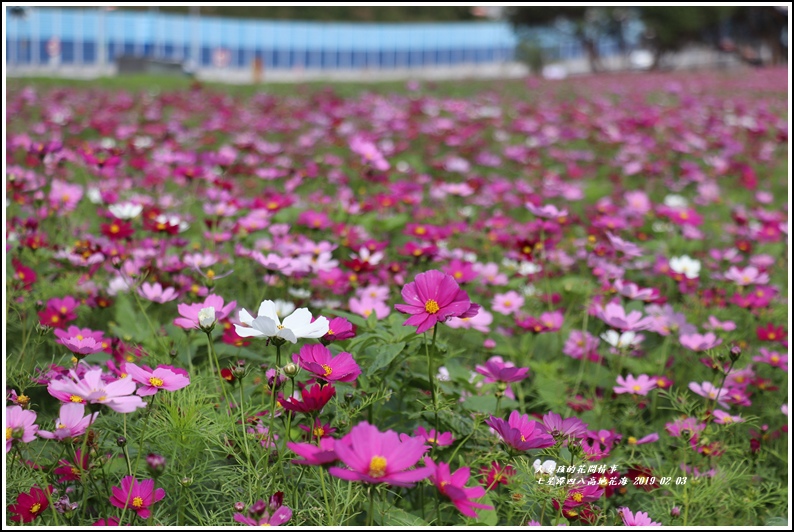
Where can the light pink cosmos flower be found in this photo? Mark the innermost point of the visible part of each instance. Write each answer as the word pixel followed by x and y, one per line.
pixel 20 425
pixel 700 342
pixel 546 211
pixel 497 370
pixel 638 519
pixel 489 274
pixel 365 306
pixel 724 418
pixel 81 341
pixel 481 322
pixel 190 313
pixel 632 291
pixel 614 315
pixel 650 438
pixel 718 325
pixel 117 395
pixel 155 292
pixel 636 386
pixel 507 303
pixel 376 457
pixel 71 423
pixel 709 391
pixel 443 440
pixel 161 378
pixel 746 276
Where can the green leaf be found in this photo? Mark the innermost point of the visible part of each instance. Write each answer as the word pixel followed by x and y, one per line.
pixel 355 319
pixel 128 322
pixel 776 521
pixel 487 517
pixel 388 515
pixel 385 355
pixel 480 403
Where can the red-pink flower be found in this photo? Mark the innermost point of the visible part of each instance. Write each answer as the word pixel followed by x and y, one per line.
pixel 453 485
pixel 312 454
pixel 29 505
pixel 376 457
pixel 161 378
pixel 497 370
pixel 433 297
pixel 520 433
pixel 138 496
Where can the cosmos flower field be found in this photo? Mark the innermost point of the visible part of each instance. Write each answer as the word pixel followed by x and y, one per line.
pixel 537 303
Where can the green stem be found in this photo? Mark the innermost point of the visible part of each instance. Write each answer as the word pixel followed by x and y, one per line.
pixel 242 421
pixel 371 506
pixel 325 498
pixel 432 380
pixel 214 358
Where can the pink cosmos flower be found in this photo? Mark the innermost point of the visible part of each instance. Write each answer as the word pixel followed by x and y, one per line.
pixel 365 306
pixel 71 423
pixel 520 433
pixel 490 274
pixel 138 496
pixel 497 370
pixel 546 211
pixel 318 360
pixel 322 453
pixel 581 344
pixel 650 438
pixel 375 457
pixel 632 291
pixel 746 276
pixel 570 427
pixel 117 395
pixel 724 418
pixel 692 425
pixel 20 425
pixel 272 514
pixel 81 341
pixel 773 358
pixel 716 324
pixel 453 485
pixel 615 316
pixel 481 322
pixel 637 386
pixel 700 342
pixel 338 329
pixel 433 297
pixel 443 440
pixel 155 292
pixel 161 378
pixel 189 313
pixel 638 519
pixel 507 303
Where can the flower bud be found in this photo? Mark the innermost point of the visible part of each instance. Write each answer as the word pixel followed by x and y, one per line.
pixel 239 506
pixel 206 318
pixel 121 441
pixel 675 511
pixel 187 481
pixel 43 330
pixel 291 370
pixel 156 464
pixel 736 352
pixel 258 508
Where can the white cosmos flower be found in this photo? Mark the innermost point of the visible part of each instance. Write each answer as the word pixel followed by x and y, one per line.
pixel 675 201
pixel 206 317
pixel 125 211
pixel 686 265
pixel 267 324
pixel 615 339
pixel 547 468
pixel 284 308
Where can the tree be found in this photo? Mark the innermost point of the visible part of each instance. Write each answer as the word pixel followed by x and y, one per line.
pixel 668 29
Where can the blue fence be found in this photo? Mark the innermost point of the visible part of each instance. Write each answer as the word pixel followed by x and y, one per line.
pixel 91 36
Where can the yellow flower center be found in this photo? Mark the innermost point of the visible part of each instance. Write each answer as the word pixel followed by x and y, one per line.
pixel 508 304
pixel 443 486
pixel 154 381
pixel 9 432
pixel 727 419
pixel 577 496
pixel 377 467
pixel 318 432
pixel 75 471
pixel 432 306
pixel 22 400
pixel 75 399
pixel 632 440
pixel 137 502
pixel 327 369
pixel 330 332
pixel 279 327
pixel 636 388
pixel 265 524
pixel 660 383
pixel 114 229
pixel 211 274
pixel 775 359
pixel 420 230
pixel 61 426
pixel 458 275
pixel 367 312
pixel 771 336
pixel 79 337
pixel 35 508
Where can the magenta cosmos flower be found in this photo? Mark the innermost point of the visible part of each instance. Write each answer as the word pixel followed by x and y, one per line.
pixel 138 496
pixel 376 457
pixel 20 425
pixel 161 378
pixel 636 386
pixel 433 297
pixel 497 370
pixel 520 433
pixel 274 513
pixel 312 454
pixel 71 423
pixel 318 360
pixel 190 313
pixel 453 485
pixel 117 395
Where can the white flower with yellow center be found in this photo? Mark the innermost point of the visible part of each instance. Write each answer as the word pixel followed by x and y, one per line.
pixel 267 324
pixel 686 265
